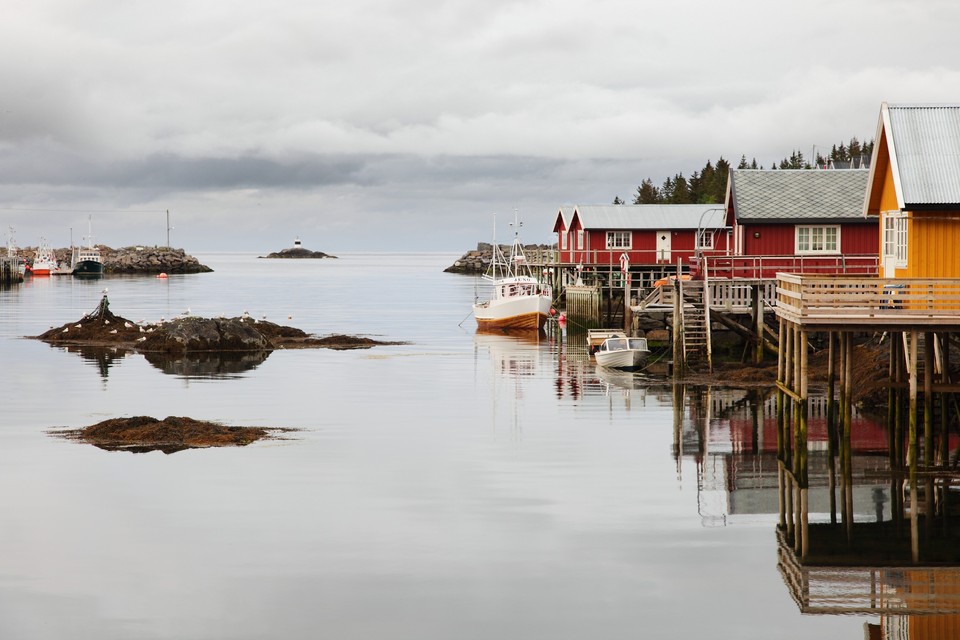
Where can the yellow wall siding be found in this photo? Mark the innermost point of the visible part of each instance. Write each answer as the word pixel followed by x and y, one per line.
pixel 934 245
pixel 888 199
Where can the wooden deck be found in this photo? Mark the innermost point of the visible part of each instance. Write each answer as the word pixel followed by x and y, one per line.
pixel 845 302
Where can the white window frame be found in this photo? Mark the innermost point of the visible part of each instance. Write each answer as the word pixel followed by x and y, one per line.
pixel 813 239
pixel 579 239
pixel 705 239
pixel 563 240
pixel 619 240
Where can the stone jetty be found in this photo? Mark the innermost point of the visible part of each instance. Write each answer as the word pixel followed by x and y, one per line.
pixel 136 260
pixel 477 261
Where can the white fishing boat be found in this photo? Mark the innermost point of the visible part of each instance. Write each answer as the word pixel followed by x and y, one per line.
pixel 44 262
pixel 622 353
pixel 21 264
pixel 518 301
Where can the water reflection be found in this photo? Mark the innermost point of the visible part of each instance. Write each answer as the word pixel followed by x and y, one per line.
pixel 213 365
pixel 101 357
pixel 222 364
pixel 854 534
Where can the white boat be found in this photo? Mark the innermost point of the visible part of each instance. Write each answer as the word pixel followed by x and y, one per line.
pixel 44 263
pixel 519 301
pixel 622 353
pixel 12 253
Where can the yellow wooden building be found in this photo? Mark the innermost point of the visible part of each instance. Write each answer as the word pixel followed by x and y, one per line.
pixel 914 189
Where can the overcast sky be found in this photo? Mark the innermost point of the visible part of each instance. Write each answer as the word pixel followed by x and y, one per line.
pixel 370 124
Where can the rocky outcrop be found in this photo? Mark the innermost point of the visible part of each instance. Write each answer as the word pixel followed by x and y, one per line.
pixel 133 260
pixel 193 334
pixel 298 253
pixel 477 261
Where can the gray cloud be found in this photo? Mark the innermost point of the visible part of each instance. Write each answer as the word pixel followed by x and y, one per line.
pixel 433 112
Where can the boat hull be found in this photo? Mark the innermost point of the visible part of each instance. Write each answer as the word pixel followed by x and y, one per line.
pixel 626 359
pixel 524 313
pixel 88 268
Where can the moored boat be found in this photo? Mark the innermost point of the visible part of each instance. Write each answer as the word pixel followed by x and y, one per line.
pixel 622 353
pixel 86 261
pixel 44 262
pixel 519 301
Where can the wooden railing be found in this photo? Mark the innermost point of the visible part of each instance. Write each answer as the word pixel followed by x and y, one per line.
pixel 735 296
pixel 766 267
pixel 878 301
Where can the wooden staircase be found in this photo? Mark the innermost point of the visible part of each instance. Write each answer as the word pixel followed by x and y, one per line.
pixel 696 341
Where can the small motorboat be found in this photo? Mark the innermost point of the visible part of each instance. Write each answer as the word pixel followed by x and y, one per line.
pixel 622 353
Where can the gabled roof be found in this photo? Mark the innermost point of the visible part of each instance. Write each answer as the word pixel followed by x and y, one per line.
pixel 797 195
pixel 650 216
pixel 564 218
pixel 922 145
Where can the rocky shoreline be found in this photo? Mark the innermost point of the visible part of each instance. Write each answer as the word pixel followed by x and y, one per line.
pixel 135 260
pixel 477 261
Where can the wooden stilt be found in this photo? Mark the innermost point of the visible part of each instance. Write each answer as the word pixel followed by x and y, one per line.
pixel 831 426
pixel 928 369
pixel 912 452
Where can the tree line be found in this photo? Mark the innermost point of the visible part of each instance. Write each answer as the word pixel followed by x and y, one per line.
pixel 709 184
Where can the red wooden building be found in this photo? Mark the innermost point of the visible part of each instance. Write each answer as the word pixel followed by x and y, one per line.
pixel 648 234
pixel 801 221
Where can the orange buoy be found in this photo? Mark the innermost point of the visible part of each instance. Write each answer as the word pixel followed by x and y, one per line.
pixel 162 275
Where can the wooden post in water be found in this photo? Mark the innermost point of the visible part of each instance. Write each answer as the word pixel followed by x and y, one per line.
pixel 944 402
pixel 912 450
pixel 679 359
pixel 928 369
pixel 802 449
pixel 757 324
pixel 847 433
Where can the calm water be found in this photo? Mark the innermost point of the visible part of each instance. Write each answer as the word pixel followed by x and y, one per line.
pixel 458 486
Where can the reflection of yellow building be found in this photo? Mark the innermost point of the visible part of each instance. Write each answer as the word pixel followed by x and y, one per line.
pixel 914 188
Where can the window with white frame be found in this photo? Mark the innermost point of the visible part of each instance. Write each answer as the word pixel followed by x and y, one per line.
pixel 618 239
pixel 814 239
pixel 895 237
pixel 579 239
pixel 705 239
pixel 563 240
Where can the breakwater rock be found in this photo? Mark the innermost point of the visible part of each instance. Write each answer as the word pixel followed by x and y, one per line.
pixel 137 260
pixel 478 260
pixel 298 253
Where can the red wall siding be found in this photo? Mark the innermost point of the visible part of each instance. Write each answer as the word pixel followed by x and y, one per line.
pixel 780 239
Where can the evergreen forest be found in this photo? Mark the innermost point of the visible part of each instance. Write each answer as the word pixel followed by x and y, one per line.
pixel 709 184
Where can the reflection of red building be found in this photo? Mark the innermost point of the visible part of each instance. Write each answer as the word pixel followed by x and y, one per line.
pixel 866 435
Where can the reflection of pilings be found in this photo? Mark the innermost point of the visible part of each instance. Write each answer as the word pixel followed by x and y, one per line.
pixel 832 425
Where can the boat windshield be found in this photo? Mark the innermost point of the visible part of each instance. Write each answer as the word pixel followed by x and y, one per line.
pixel 639 344
pixel 615 344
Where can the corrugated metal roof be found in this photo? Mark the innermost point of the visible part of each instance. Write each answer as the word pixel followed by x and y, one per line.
pixel 651 216
pixel 798 195
pixel 925 141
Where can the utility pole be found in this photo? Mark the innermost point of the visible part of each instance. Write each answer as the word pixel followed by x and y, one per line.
pixel 168 228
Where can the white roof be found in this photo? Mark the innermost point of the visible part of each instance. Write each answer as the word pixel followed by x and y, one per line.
pixel 651 216
pixel 924 146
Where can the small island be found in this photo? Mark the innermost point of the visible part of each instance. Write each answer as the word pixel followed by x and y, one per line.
pixel 193 334
pixel 141 434
pixel 298 252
